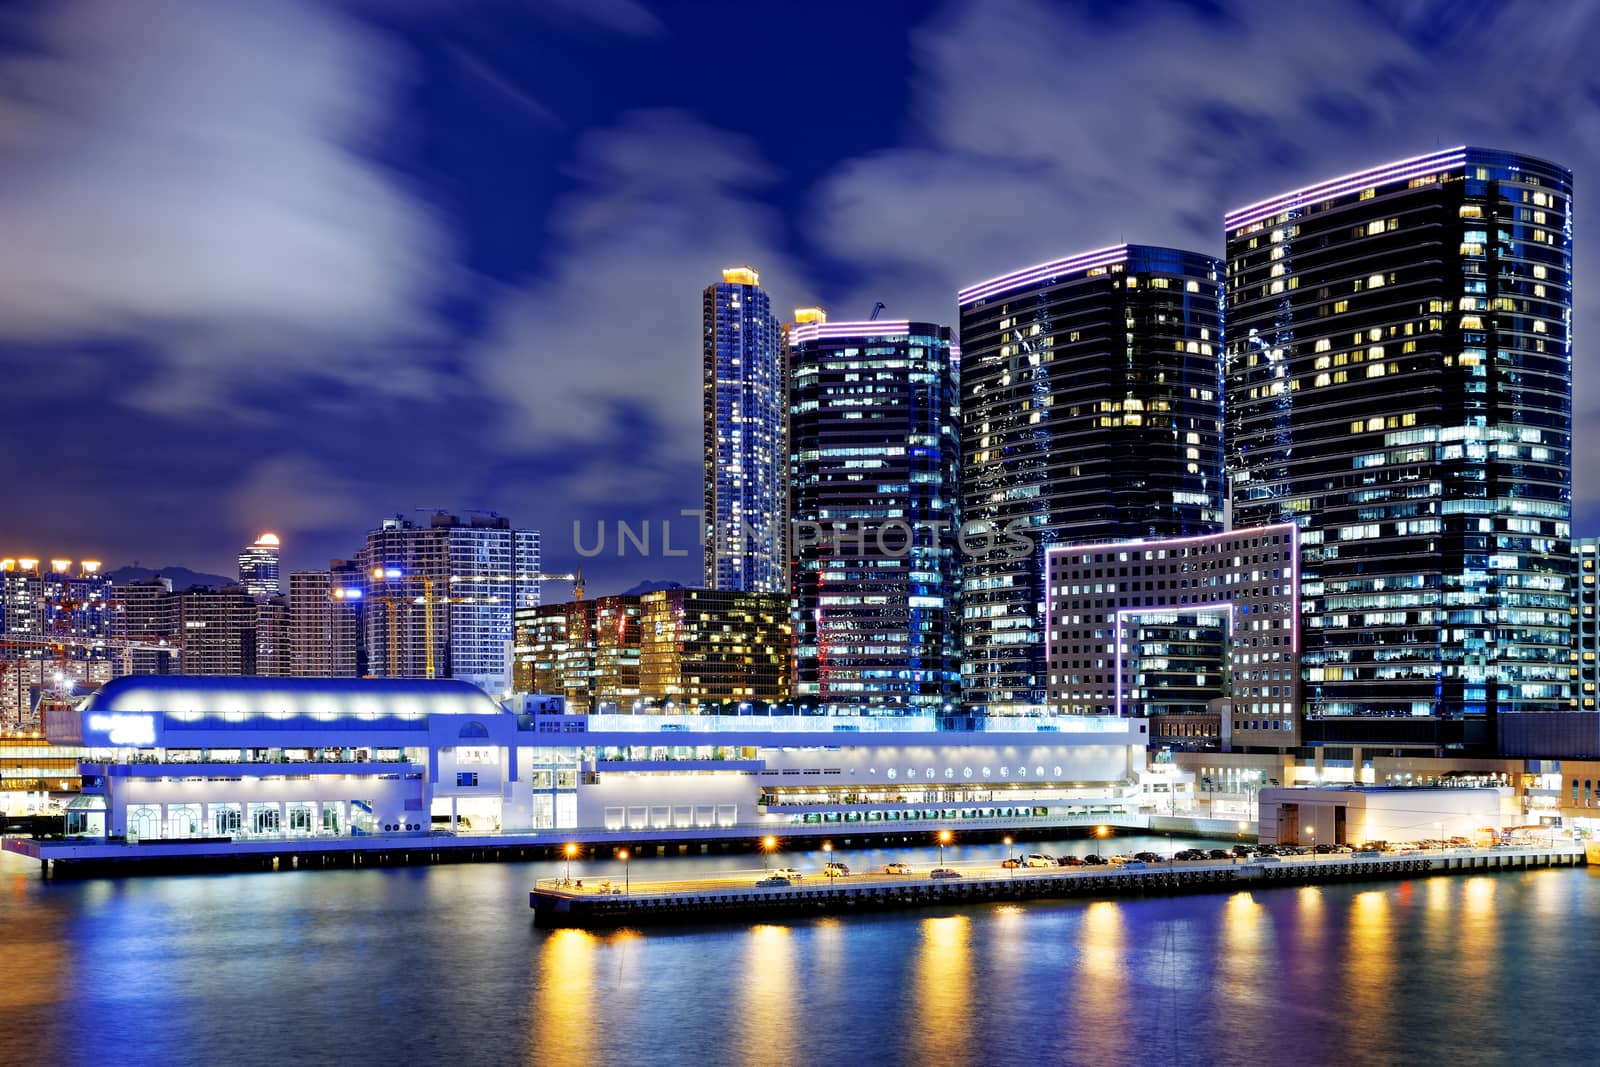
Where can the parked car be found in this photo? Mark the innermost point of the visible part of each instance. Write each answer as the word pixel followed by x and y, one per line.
pixel 776 881
pixel 1071 861
pixel 944 872
pixel 787 872
pixel 835 869
pixel 1244 850
pixel 1148 857
pixel 1121 861
pixel 1189 854
pixel 1038 859
pixel 897 868
pixel 1011 863
pixel 1220 854
pixel 1094 860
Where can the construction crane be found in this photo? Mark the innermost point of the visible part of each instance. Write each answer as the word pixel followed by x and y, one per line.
pixel 876 308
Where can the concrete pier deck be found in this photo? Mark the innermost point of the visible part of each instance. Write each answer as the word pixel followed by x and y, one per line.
pixel 614 902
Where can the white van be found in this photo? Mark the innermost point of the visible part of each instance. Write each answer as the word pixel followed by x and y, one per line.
pixel 1038 859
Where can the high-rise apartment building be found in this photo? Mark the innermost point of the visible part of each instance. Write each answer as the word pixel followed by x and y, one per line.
pixel 60 627
pixel 325 622
pixel 1399 376
pixel 149 615
pixel 745 455
pixel 1091 410
pixel 873 466
pixel 218 630
pixel 440 597
pixel 273 639
pixel 258 566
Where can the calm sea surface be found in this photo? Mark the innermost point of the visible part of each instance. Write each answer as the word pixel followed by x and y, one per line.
pixel 444 965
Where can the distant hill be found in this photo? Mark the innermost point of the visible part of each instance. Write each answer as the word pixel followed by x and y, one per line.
pixel 181 577
pixel 651 587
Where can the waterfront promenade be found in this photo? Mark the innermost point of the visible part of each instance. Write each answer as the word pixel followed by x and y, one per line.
pixel 621 901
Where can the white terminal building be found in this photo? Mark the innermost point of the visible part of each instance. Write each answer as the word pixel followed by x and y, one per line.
pixel 178 757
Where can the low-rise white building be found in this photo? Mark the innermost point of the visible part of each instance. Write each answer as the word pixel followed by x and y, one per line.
pixel 1355 815
pixel 173 757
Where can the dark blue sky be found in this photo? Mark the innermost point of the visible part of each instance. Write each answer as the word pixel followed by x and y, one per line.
pixel 300 265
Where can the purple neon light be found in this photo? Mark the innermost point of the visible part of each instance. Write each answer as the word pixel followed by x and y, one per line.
pixel 1100 257
pixel 1176 609
pixel 818 331
pixel 1384 173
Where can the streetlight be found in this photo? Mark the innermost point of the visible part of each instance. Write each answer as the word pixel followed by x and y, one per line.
pixel 1100 832
pixel 827 851
pixel 1011 857
pixel 572 850
pixel 627 880
pixel 1242 825
pixel 944 839
pixel 767 845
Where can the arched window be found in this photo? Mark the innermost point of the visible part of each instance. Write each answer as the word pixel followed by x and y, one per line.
pixel 474 731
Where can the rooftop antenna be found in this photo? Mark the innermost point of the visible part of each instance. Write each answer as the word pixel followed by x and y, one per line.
pixel 879 306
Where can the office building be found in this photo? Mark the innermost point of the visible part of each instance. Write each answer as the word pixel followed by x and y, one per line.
pixel 1399 380
pixel 745 454
pixel 873 468
pixel 258 566
pixel 325 622
pixel 1199 634
pixel 585 651
pixel 440 597
pixel 703 648
pixel 1585 633
pixel 1091 411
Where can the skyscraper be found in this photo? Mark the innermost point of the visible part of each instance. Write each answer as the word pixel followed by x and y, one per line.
pixel 1399 373
pixel 1091 410
pixel 745 455
pixel 873 468
pixel 440 598
pixel 258 566
pixel 325 622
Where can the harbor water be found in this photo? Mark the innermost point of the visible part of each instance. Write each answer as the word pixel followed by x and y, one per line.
pixel 444 964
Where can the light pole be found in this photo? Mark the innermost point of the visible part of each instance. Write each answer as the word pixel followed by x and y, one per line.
pixel 944 839
pixel 627 879
pixel 827 852
pixel 1011 857
pixel 767 845
pixel 572 850
pixel 1100 832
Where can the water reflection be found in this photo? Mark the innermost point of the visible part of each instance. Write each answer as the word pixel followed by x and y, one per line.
pixel 767 996
pixel 1370 974
pixel 1242 972
pixel 563 1008
pixel 940 1027
pixel 1100 1006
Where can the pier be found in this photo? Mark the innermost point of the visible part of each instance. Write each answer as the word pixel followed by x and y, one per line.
pixel 610 904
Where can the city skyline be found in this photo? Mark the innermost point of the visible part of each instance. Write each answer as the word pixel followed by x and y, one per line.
pixel 831 219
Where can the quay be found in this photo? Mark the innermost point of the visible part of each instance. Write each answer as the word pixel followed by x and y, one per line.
pixel 99 857
pixel 608 905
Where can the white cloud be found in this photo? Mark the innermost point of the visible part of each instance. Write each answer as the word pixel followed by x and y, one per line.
pixel 190 174
pixel 613 328
pixel 1043 129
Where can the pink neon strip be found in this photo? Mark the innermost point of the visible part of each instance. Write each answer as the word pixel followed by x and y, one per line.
pixel 1080 261
pixel 1380 175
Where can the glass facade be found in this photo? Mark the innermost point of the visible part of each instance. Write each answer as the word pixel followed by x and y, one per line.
pixel 1399 376
pixel 873 463
pixel 745 454
pixel 1091 410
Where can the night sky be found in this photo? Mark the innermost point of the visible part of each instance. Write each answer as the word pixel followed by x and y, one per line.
pixel 296 266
